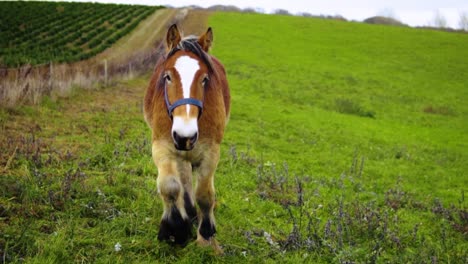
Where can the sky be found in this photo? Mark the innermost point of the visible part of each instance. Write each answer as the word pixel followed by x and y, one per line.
pixel 411 12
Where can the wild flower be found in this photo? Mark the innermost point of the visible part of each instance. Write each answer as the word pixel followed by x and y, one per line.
pixel 117 247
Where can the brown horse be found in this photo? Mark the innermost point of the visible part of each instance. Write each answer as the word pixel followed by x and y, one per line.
pixel 187 108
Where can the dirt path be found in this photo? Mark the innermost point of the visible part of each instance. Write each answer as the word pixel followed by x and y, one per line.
pixel 195 22
pixel 143 38
pixel 153 29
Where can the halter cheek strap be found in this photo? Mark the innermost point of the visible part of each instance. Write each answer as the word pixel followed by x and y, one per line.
pixel 183 101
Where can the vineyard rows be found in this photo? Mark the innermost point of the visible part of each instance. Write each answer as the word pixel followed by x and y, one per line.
pixel 40 32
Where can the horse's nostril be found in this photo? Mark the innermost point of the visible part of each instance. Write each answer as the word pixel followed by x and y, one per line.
pixel 184 142
pixel 194 138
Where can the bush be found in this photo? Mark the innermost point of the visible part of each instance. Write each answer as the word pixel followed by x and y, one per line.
pixel 383 21
pixel 347 106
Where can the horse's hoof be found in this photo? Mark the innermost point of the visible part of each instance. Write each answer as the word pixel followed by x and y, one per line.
pixel 212 242
pixel 175 229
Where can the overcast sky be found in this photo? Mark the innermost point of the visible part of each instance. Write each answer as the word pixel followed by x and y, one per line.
pixel 412 12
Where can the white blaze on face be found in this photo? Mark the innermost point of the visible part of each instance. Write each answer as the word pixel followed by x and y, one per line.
pixel 187 68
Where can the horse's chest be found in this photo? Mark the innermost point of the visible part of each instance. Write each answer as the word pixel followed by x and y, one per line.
pixel 195 156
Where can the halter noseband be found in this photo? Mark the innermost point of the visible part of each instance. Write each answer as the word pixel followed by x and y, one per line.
pixel 184 101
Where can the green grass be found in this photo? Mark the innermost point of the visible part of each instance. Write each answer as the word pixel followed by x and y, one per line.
pixel 347 143
pixel 41 32
pixel 319 81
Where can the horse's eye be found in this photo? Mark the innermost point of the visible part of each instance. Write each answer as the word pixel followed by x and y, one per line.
pixel 167 77
pixel 205 80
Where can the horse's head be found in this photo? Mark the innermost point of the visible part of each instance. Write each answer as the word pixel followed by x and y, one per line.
pixel 186 76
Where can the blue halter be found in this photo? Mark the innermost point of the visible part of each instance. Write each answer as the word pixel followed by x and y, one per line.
pixel 183 101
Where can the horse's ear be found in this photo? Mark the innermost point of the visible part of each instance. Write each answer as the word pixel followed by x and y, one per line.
pixel 206 40
pixel 173 37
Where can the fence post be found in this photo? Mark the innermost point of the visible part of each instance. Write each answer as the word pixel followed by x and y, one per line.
pixel 105 72
pixel 51 78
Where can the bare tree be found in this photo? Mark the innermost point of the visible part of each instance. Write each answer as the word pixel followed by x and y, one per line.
pixel 439 20
pixel 260 10
pixel 387 12
pixel 463 23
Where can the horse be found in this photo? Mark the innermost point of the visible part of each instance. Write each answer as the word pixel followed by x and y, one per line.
pixel 187 106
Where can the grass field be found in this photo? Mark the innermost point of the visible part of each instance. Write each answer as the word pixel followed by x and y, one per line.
pixel 347 143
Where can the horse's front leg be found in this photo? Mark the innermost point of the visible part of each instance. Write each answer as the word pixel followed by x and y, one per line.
pixel 185 172
pixel 205 197
pixel 175 223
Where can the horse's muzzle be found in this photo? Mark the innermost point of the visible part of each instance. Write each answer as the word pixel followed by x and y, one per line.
pixel 184 143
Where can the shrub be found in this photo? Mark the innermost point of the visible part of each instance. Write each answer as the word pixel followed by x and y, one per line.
pixel 383 21
pixel 347 106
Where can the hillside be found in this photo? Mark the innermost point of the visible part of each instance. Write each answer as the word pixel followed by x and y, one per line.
pixel 371 118
pixel 347 143
pixel 40 32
